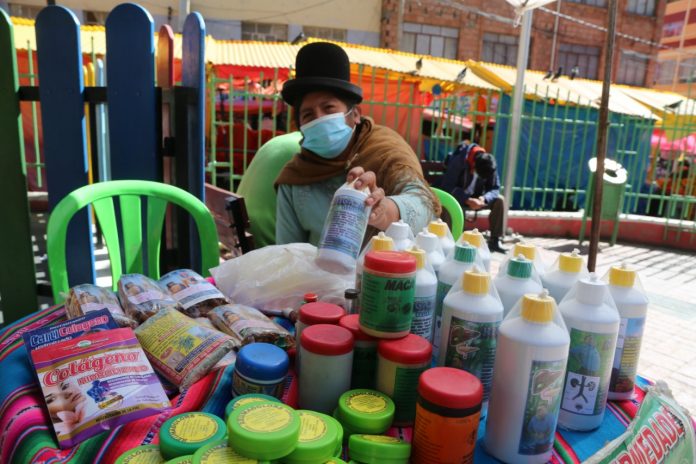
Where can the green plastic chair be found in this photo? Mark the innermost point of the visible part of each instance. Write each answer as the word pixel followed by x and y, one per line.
pixel 100 196
pixel 454 209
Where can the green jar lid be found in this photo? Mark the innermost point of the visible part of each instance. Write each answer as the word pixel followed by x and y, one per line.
pixel 365 411
pixel 379 448
pixel 335 461
pixel 264 431
pixel 247 398
pixel 464 252
pixel 181 460
pixel 319 435
pixel 520 267
pixel 221 453
pixel 146 454
pixel 339 437
pixel 184 434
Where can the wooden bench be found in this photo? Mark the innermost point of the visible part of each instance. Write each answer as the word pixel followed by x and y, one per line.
pixel 231 219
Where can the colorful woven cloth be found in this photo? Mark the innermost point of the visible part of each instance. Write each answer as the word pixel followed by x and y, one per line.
pixel 26 435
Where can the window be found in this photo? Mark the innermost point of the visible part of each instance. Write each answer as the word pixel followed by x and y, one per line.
pixel 499 48
pixel 584 57
pixel 424 39
pixel 672 29
pixel 24 11
pixel 632 68
pixel 665 71
pixel 328 33
pixel 687 70
pixel 641 7
pixel 599 3
pixel 264 32
pixel 95 17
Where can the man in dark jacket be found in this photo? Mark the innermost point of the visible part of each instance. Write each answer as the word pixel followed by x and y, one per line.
pixel 472 179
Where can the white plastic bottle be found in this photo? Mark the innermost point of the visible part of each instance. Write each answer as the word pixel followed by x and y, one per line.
pixel 379 242
pixel 593 321
pixel 632 303
pixel 530 251
pixel 424 298
pixel 514 280
pixel 530 364
pixel 344 230
pixel 475 238
pixel 430 243
pixel 463 259
pixel 569 268
pixel 471 315
pixel 441 229
pixel 401 233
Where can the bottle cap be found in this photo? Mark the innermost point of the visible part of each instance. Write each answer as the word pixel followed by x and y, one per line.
pixel 427 241
pixel 352 323
pixel 185 433
pixel 220 452
pixel 365 411
pixel 317 442
pixel 419 254
pixel 262 361
pixel 264 431
pixel 464 252
pixel 519 267
pixel 351 293
pixel 622 276
pixel 412 349
pixel 438 228
pixel 247 398
pixel 591 290
pixel 320 313
pixel 474 237
pixel 390 262
pixel 310 297
pixel 398 230
pixel 450 388
pixel 146 454
pixel 570 262
pixel 381 242
pixel 527 250
pixel 476 282
pixel 325 339
pixel 537 307
pixel 378 448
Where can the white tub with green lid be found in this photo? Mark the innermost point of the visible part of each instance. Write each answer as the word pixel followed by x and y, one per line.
pixel 264 431
pixel 319 437
pixel 146 454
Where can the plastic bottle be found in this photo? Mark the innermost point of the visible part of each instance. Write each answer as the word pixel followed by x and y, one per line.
pixel 516 279
pixel 475 239
pixel 529 251
pixel 563 275
pixel 344 229
pixel 530 364
pixel 470 319
pixel 433 249
pixel 461 260
pixel 593 321
pixel 401 233
pixel 424 298
pixel 379 242
pixel 364 371
pixel 632 303
pixel 441 229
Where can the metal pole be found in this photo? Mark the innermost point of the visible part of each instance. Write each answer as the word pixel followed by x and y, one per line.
pixel 603 126
pixel 555 35
pixel 517 101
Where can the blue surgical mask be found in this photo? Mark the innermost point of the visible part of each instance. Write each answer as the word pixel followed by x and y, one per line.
pixel 327 136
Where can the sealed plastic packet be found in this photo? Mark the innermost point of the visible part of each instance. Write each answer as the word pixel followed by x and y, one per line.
pixel 86 298
pixel 142 297
pixel 249 325
pixel 196 295
pixel 182 350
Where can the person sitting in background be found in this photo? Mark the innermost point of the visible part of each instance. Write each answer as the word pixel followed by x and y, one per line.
pixel 471 177
pixel 340 145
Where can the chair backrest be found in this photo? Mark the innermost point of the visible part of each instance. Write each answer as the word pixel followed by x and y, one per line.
pixel 129 193
pixel 454 209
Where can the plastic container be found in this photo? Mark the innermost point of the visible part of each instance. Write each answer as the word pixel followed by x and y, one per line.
pixel 386 296
pixel 182 459
pixel 515 279
pixel 318 437
pixel 378 449
pixel 379 242
pixel 470 320
pixel 335 460
pixel 220 452
pixel 593 322
pixel 632 303
pixel 351 295
pixel 317 312
pixel 402 235
pixel 530 364
pixel 146 454
pixel 364 372
pixel 425 296
pixel 475 239
pixel 264 431
pixel 344 229
pixel 364 411
pixel 568 269
pixel 529 251
pixel 441 229
pixel 447 416
pixel 249 398
pixel 185 433
pixel 260 368
pixel 430 243
pixel 463 259
pixel 399 365
pixel 326 363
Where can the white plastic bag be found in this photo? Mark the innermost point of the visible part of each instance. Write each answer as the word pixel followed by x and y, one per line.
pixel 278 276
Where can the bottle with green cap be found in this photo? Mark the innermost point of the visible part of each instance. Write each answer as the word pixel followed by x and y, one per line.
pixel 632 303
pixel 380 449
pixel 264 431
pixel 185 433
pixel 319 435
pixel 531 252
pixel 470 319
pixel 516 278
pixel 425 295
pixel 146 454
pixel 568 269
pixel 530 364
pixel 475 239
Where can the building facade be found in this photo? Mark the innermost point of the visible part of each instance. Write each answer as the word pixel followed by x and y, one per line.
pixel 676 61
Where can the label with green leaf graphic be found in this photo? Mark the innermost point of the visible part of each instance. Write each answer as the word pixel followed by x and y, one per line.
pixel 387 302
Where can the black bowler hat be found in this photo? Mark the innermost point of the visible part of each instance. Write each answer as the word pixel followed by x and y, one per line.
pixel 320 66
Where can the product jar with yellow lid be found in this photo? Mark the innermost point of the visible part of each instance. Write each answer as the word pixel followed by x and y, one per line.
pixel 319 435
pixel 146 454
pixel 378 449
pixel 248 398
pixel 364 411
pixel 185 433
pixel 264 431
pixel 221 453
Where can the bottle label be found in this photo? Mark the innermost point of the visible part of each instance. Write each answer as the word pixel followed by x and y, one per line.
pixel 588 372
pixel 380 439
pixel 193 428
pixel 312 428
pixel 405 393
pixel 264 418
pixel 423 313
pixel 471 346
pixel 442 291
pixel 541 407
pixel 387 302
pixel 438 438
pixel 623 373
pixel 242 385
pixel 345 225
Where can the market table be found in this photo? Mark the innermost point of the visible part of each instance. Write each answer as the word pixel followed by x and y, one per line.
pixel 26 435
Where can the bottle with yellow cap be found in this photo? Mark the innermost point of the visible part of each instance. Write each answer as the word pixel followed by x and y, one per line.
pixel 531 252
pixel 475 238
pixel 402 235
pixel 424 298
pixel 471 314
pixel 632 303
pixel 515 279
pixel 568 269
pixel 530 363
pixel 441 229
pixel 430 243
pixel 379 242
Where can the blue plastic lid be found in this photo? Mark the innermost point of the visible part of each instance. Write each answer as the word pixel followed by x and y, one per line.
pixel 262 361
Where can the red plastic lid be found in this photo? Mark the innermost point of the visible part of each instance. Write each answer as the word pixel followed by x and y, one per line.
pixel 449 387
pixel 320 313
pixel 397 262
pixel 327 339
pixel 412 349
pixel 351 322
pixel 310 297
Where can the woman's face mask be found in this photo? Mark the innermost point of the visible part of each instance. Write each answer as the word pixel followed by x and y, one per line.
pixel 327 136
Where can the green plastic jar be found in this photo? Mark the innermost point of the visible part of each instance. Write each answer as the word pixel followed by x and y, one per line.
pixel 221 453
pixel 378 449
pixel 248 398
pixel 264 431
pixel 181 460
pixel 364 411
pixel 319 435
pixel 185 433
pixel 335 461
pixel 146 454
